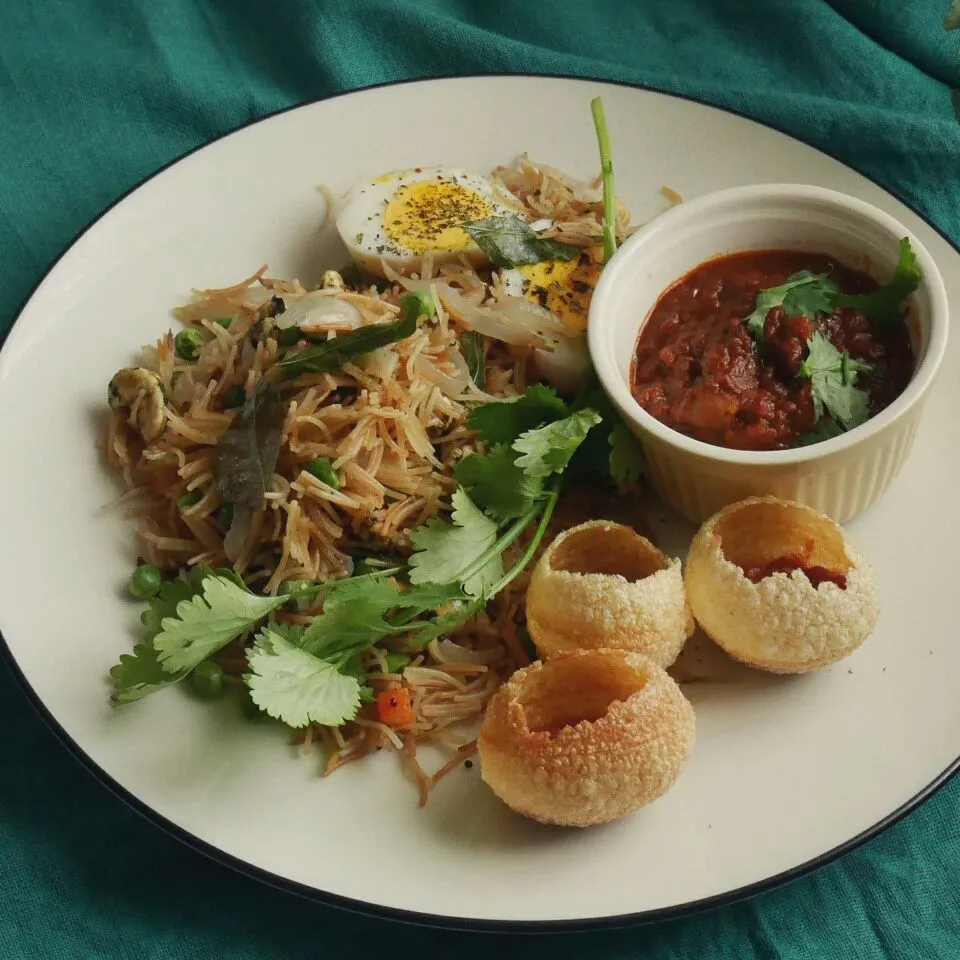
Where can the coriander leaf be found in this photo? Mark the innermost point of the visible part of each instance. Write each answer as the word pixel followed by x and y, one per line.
pixel 346 628
pixel 504 420
pixel 331 355
pixel 606 171
pixel 592 459
pixel 805 294
pixel 165 603
pixel 246 455
pixel 832 381
pixel 883 306
pixel 509 242
pixel 850 368
pixel 476 358
pixel 353 668
pixel 844 401
pixel 291 632
pixel 139 674
pixel 626 455
pixel 548 449
pixel 296 687
pixel 355 614
pixel 445 550
pixel 825 430
pixel 497 484
pixel 206 623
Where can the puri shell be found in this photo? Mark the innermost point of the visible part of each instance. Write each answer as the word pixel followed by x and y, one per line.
pixel 586 737
pixel 783 623
pixel 601 584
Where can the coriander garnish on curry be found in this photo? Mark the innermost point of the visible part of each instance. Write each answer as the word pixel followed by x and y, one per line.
pixel 771 349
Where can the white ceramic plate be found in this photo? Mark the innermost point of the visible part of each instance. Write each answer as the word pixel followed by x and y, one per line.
pixel 786 773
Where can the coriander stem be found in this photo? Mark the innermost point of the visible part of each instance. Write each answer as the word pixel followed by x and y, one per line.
pixel 501 544
pixel 606 170
pixel 476 605
pixel 538 535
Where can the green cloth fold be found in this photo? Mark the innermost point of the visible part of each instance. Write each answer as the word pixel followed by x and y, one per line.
pixel 96 94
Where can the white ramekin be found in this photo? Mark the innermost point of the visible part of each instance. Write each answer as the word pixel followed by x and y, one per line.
pixel 839 477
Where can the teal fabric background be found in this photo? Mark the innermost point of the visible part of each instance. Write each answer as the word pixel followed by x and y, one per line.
pixel 96 94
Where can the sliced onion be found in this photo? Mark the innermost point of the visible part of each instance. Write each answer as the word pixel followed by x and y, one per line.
pixel 318 311
pixel 255 296
pixel 513 320
pixel 545 224
pixel 446 651
pixel 382 363
pixel 564 364
pixel 452 386
pixel 182 389
pixel 523 311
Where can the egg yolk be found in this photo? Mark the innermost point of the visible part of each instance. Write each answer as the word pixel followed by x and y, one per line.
pixel 427 215
pixel 564 287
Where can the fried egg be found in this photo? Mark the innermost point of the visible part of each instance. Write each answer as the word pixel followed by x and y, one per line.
pixel 400 216
pixel 564 287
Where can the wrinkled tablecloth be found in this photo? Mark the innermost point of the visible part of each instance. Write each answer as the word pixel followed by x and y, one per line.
pixel 96 94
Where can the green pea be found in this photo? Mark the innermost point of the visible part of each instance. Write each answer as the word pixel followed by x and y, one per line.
pixel 236 396
pixel 188 342
pixel 396 662
pixel 145 581
pixel 323 470
pixel 224 322
pixel 190 499
pixel 249 709
pixel 225 516
pixel 207 680
pixel 289 336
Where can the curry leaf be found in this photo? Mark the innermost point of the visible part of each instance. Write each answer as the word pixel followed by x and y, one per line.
pixel 509 242
pixel 246 455
pixel 331 355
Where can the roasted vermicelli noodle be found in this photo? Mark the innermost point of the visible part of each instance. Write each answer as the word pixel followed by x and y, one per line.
pixel 365 456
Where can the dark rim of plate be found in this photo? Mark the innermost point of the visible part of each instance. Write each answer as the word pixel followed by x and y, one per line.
pixel 410 916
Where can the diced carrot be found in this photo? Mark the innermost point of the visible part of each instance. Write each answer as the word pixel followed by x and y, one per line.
pixel 394 707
